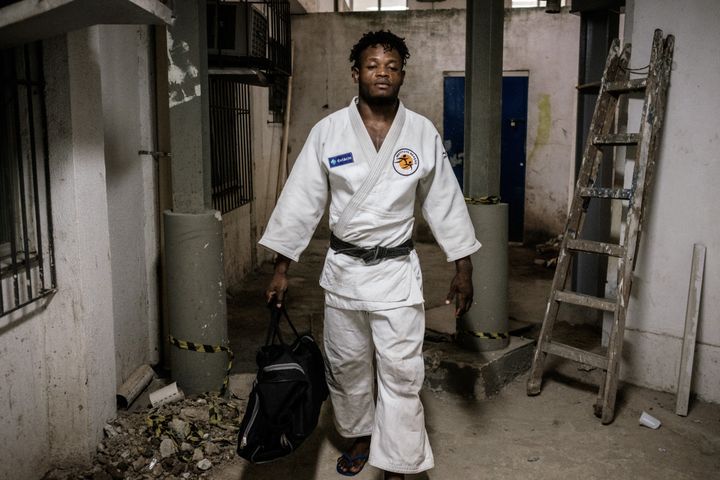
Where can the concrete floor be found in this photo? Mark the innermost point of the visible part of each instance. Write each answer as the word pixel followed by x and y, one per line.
pixel 508 436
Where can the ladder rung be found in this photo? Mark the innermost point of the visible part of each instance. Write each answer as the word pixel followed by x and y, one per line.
pixel 572 353
pixel 602 248
pixel 615 193
pixel 627 86
pixel 585 300
pixel 616 139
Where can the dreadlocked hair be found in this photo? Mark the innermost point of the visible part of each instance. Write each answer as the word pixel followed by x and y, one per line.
pixel 386 38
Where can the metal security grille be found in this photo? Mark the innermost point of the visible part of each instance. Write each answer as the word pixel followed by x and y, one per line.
pixel 230 143
pixel 278 15
pixel 27 267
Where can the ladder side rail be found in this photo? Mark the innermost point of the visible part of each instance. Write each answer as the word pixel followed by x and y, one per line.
pixel 662 81
pixel 651 124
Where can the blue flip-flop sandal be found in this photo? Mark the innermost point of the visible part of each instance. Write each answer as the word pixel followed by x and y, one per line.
pixel 350 462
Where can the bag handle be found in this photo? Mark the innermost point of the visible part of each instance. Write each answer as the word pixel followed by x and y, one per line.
pixel 276 315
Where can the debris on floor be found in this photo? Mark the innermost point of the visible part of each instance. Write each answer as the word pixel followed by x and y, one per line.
pixel 180 440
pixel 649 421
pixel 547 253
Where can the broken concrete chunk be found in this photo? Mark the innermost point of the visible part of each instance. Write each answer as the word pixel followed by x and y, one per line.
pixel 186 447
pixel 197 455
pixel 139 464
pixel 204 464
pixel 211 449
pixel 167 448
pixel 180 427
pixel 195 414
pixel 109 430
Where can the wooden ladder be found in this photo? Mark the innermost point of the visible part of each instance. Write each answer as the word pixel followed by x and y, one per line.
pixel 615 82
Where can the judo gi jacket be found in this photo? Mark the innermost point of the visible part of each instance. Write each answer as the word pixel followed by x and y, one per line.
pixel 372 197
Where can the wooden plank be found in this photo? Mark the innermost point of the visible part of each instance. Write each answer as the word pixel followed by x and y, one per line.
pixel 634 85
pixel 577 355
pixel 591 246
pixel 585 300
pixel 611 139
pixel 611 193
pixel 691 320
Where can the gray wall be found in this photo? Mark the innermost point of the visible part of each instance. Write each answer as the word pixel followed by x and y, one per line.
pixel 128 120
pixel 682 208
pixel 544 45
pixel 63 358
pixel 58 362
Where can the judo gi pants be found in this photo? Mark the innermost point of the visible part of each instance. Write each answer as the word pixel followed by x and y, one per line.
pixel 396 422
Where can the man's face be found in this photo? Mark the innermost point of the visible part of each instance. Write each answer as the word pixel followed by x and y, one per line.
pixel 379 74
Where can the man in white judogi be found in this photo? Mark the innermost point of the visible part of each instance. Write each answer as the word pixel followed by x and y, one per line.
pixel 372 159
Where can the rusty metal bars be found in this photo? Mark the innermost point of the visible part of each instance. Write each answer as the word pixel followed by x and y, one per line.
pixel 27 267
pixel 230 143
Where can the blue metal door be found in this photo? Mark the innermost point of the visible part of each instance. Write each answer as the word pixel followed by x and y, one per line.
pixel 512 152
pixel 514 132
pixel 454 123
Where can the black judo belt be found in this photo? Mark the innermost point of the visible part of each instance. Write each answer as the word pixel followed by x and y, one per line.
pixel 370 255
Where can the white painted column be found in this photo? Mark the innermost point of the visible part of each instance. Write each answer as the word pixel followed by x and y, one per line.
pixel 79 341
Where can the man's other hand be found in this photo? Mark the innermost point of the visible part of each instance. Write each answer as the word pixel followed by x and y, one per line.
pixel 461 287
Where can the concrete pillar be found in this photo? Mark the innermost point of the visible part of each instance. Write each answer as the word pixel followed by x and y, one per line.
pixel 189 108
pixel 194 286
pixel 79 338
pixel 483 94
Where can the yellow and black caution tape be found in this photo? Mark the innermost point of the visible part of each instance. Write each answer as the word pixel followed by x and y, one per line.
pixel 199 347
pixel 486 335
pixel 488 200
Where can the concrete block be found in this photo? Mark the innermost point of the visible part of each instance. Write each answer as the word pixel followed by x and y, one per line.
pixel 475 374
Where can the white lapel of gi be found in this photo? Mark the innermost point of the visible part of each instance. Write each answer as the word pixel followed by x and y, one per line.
pixel 378 160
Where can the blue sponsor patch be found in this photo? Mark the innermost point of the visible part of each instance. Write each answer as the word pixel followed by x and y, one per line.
pixel 338 160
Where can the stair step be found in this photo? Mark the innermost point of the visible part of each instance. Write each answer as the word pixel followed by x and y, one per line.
pixel 616 139
pixel 627 86
pixel 591 246
pixel 585 300
pixel 614 193
pixel 572 353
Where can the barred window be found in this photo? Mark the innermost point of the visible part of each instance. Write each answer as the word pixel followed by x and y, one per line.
pixel 27 267
pixel 230 143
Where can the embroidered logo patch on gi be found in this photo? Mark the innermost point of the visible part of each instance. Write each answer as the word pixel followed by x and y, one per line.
pixel 405 162
pixel 338 160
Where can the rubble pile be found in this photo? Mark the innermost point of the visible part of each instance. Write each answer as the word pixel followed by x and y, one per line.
pixel 182 440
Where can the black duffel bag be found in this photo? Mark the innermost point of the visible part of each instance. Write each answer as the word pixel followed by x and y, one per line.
pixel 287 395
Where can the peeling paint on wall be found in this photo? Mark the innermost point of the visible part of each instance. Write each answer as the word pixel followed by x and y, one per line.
pixel 183 80
pixel 543 126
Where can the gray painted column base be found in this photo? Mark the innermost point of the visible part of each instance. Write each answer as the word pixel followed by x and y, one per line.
pixel 488 315
pixel 196 298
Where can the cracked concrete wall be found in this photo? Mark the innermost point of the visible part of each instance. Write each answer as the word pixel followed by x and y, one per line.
pixel 58 355
pixel 127 85
pixel 682 202
pixel 545 46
